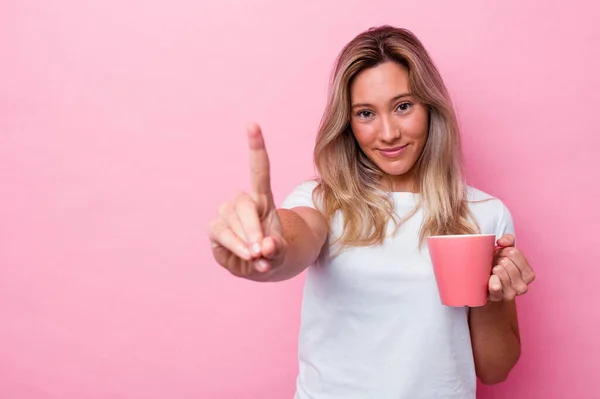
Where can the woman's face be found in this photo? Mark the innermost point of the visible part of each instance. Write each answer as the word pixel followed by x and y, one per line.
pixel 390 126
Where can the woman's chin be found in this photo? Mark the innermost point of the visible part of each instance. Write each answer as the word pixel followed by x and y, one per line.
pixel 395 172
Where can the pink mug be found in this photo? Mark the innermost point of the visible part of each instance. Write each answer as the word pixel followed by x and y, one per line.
pixel 462 265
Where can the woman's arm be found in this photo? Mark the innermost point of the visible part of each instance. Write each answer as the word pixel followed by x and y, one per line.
pixel 495 336
pixel 495 340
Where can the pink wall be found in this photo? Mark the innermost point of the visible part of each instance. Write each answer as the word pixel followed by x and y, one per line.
pixel 121 130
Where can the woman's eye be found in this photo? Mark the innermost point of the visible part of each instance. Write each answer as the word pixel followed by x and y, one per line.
pixel 364 114
pixel 403 107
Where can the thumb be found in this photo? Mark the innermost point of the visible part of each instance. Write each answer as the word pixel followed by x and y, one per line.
pixel 273 247
pixel 507 240
pixel 272 251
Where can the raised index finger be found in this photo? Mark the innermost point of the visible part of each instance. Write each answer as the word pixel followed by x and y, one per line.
pixel 259 161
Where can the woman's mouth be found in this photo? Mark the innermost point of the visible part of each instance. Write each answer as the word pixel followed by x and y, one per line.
pixel 393 152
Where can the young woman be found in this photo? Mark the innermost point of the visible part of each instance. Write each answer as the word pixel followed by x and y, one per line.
pixel 389 161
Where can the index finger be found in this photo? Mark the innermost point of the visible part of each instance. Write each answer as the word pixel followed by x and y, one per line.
pixel 259 161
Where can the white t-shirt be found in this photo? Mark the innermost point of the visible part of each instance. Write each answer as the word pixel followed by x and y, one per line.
pixel 373 326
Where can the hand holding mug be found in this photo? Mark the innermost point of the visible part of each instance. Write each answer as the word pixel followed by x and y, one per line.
pixel 511 274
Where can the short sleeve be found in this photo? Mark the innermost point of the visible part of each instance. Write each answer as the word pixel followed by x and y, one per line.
pixel 505 223
pixel 301 196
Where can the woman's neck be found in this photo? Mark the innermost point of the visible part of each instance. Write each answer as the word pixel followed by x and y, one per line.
pixel 401 183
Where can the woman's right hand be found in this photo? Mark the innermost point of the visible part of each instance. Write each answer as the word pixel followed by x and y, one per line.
pixel 247 235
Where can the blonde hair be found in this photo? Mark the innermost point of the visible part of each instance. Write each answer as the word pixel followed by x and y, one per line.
pixel 350 183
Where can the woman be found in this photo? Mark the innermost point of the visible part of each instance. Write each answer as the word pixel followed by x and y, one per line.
pixel 390 165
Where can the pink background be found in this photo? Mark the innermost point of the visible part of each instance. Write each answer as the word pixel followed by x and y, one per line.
pixel 121 130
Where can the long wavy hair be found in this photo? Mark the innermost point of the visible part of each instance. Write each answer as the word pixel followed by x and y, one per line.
pixel 350 183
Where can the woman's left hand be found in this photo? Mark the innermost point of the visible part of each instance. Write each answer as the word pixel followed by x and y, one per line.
pixel 511 274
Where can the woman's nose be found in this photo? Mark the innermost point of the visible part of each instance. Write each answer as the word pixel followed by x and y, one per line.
pixel 389 131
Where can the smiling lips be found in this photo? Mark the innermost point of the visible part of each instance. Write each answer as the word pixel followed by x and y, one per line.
pixel 393 152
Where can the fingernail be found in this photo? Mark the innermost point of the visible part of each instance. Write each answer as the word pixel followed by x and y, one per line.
pixel 256 250
pixel 261 265
pixel 245 253
pixel 497 287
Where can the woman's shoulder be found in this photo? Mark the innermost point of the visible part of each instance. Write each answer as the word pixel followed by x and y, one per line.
pixel 309 184
pixel 476 195
pixel 490 211
pixel 301 195
pixel 486 205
